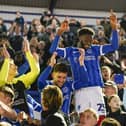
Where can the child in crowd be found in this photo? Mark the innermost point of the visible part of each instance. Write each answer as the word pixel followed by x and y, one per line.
pixel 52 100
pixel 115 110
pixel 88 118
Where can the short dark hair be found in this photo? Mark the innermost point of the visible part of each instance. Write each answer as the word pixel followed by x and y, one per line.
pixel 60 67
pixel 85 31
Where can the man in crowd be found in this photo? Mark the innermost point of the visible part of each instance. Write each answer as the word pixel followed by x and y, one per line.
pixel 91 92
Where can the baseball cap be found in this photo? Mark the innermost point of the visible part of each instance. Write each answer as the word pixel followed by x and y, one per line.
pixel 85 30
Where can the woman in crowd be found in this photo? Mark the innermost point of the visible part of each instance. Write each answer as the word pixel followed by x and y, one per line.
pixel 115 110
pixel 52 100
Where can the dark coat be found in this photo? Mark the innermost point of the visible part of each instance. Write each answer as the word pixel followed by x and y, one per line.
pixel 119 115
pixel 53 118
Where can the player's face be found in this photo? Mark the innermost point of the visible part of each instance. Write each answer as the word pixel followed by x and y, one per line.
pixel 87 119
pixel 86 40
pixel 59 78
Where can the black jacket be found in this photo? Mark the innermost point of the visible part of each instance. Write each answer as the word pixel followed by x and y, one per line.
pixel 53 118
pixel 119 115
pixel 20 98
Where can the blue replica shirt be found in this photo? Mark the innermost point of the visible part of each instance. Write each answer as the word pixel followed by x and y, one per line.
pixel 67 87
pixel 91 60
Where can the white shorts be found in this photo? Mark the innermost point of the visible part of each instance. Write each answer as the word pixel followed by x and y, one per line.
pixel 90 97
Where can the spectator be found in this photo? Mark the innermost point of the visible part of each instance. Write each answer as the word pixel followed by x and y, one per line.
pixel 123 64
pixel 111 62
pixel 52 99
pixel 122 44
pixel 92 53
pixel 6 101
pixel 115 110
pixel 122 93
pixel 99 33
pixel 36 29
pixel 59 76
pixel 4 41
pixel 70 36
pixel 88 118
pixel 107 27
pixel 15 38
pixel 46 18
pixel 106 73
pixel 3 28
pixel 20 83
pixel 123 22
pixel 20 20
pixel 110 88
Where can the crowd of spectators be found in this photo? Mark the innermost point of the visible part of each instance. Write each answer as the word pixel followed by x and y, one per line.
pixel 24 57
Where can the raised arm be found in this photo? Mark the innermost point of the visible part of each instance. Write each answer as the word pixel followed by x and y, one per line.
pixel 45 74
pixel 114 36
pixel 62 28
pixel 7 111
pixel 5 66
pixel 29 77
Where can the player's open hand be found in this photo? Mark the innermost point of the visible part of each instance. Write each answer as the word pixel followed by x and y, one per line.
pixel 63 27
pixel 113 20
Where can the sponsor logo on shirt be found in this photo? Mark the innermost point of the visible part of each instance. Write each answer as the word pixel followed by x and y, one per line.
pixel 90 58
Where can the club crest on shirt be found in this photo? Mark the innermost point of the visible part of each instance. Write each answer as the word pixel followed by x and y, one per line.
pixel 65 89
pixel 89 51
